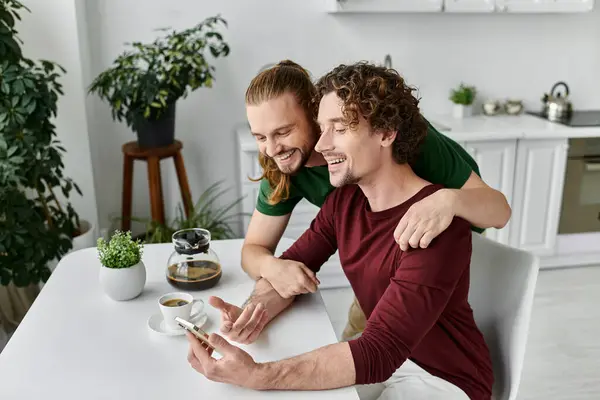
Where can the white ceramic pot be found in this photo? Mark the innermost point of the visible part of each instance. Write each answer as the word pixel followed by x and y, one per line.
pixel 87 238
pixel 462 111
pixel 123 283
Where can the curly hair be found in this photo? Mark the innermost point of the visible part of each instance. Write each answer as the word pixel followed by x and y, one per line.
pixel 284 77
pixel 381 96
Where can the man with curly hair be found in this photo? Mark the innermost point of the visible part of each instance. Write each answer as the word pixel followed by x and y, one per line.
pixel 420 340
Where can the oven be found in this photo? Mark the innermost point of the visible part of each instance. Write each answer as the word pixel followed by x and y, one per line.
pixel 580 211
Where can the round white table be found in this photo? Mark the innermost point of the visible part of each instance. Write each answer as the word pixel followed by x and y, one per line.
pixel 77 343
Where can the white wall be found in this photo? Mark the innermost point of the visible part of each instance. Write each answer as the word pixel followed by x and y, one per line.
pixel 503 55
pixel 50 32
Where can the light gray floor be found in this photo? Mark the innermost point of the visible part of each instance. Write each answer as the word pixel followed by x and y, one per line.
pixel 563 351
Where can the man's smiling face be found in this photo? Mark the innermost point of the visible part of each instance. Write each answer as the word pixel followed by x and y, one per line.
pixel 282 131
pixel 352 153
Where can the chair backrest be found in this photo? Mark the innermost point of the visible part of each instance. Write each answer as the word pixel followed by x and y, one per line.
pixel 503 281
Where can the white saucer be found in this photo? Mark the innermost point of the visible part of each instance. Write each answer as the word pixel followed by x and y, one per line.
pixel 156 323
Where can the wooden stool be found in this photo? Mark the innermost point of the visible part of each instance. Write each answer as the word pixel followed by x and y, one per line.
pixel 131 152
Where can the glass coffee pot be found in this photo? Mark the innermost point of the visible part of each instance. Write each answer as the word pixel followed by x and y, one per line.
pixel 193 265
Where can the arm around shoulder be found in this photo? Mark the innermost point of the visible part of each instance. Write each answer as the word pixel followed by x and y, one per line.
pixel 480 204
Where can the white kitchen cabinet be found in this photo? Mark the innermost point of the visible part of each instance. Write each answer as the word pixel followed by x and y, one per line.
pixel 368 6
pixel 463 6
pixel 537 194
pixel 458 6
pixel 544 6
pixel 496 161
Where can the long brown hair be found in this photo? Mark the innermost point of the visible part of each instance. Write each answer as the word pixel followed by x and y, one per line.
pixel 285 77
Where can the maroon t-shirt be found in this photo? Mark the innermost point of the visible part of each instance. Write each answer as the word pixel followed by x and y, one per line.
pixel 416 302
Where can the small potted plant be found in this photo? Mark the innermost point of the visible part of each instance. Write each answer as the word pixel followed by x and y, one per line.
pixel 146 81
pixel 122 272
pixel 463 98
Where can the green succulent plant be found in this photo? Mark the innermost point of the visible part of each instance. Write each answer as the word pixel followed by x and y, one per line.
pixel 121 251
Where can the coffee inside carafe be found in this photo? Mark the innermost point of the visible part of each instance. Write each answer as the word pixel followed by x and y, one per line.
pixel 193 265
pixel 192 274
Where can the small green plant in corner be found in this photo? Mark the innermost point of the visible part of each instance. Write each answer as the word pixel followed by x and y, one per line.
pixel 121 251
pixel 464 95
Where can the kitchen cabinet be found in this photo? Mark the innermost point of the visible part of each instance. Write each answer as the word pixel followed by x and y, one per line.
pixel 458 6
pixel 496 161
pixel 366 6
pixel 537 194
pixel 469 5
pixel 544 6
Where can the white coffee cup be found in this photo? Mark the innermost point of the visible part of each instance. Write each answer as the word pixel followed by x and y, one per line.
pixel 182 311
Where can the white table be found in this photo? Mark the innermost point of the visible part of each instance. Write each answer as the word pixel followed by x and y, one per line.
pixel 76 343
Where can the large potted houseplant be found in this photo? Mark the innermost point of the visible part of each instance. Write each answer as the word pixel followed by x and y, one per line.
pixel 122 271
pixel 145 81
pixel 36 227
pixel 463 97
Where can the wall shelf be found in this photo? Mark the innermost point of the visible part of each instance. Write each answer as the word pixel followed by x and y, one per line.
pixel 383 6
pixel 458 6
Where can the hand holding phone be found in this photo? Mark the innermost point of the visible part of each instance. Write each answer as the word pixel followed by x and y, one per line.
pixel 196 331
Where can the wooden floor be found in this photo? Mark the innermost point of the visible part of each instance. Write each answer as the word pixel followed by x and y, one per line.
pixel 563 352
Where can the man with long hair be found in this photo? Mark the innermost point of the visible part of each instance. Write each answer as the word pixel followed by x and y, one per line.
pixel 282 117
pixel 420 340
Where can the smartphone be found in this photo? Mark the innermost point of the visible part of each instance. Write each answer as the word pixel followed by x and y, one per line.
pixel 196 331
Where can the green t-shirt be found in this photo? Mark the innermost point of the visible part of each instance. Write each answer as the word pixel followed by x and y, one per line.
pixel 441 161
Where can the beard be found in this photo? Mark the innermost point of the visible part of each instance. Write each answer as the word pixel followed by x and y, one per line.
pixel 293 168
pixel 347 179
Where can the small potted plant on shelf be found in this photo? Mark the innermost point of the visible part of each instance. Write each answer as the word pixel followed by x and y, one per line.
pixel 146 81
pixel 122 271
pixel 463 98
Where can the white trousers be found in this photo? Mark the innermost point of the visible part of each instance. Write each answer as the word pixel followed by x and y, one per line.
pixel 411 382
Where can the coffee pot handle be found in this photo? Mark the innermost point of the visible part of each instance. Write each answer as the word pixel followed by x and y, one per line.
pixel 556 85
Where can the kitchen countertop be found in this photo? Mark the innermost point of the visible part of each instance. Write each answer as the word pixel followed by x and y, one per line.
pixel 478 128
pixel 499 127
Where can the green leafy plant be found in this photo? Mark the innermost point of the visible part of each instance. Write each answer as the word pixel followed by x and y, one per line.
pixel 35 228
pixel 121 251
pixel 148 79
pixel 464 95
pixel 206 213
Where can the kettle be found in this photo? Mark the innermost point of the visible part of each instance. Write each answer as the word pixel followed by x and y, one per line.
pixel 556 106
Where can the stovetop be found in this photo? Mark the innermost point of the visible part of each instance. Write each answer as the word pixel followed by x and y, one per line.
pixel 578 118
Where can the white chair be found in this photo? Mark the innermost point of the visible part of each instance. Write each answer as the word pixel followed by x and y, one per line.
pixel 503 281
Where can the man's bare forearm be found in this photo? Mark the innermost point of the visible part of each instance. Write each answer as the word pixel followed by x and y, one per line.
pixel 264 293
pixel 482 207
pixel 328 367
pixel 253 258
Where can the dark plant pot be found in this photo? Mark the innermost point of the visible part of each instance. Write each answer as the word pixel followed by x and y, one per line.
pixel 158 133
